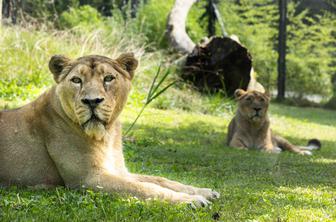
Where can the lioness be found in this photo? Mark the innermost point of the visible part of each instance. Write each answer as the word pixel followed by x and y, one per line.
pixel 71 134
pixel 250 128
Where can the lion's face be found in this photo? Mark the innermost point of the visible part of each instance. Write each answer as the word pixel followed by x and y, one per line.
pixel 252 105
pixel 93 89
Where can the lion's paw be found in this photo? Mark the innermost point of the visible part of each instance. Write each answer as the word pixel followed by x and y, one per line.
pixel 197 201
pixel 208 193
pixel 306 153
pixel 277 150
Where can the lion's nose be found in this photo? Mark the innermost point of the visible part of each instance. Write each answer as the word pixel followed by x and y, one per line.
pixel 257 109
pixel 92 103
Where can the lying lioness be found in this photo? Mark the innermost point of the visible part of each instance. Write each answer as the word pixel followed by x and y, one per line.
pixel 250 128
pixel 71 134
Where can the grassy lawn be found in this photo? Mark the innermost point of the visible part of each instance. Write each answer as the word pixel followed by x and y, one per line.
pixel 190 147
pixel 185 146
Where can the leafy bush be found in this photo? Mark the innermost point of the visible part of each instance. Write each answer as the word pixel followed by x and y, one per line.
pixel 83 16
pixel 309 44
pixel 309 59
pixel 196 28
pixel 152 20
pixel 41 11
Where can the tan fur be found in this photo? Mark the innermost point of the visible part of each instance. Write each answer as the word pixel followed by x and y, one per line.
pixel 61 139
pixel 250 129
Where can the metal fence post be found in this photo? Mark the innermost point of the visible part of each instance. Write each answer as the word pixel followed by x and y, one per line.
pixel 282 50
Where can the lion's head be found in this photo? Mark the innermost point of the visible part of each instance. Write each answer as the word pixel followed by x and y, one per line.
pixel 93 89
pixel 252 105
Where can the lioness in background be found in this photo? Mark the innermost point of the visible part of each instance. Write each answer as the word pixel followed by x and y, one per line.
pixel 71 134
pixel 250 128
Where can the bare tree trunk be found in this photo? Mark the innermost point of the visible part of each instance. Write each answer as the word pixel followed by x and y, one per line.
pixel 331 104
pixel 10 8
pixel 211 18
pixel 176 29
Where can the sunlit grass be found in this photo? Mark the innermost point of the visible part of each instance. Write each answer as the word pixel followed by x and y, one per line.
pixel 190 147
pixel 185 140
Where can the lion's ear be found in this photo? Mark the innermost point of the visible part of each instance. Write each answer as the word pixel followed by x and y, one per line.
pixel 57 64
pixel 239 92
pixel 128 63
pixel 267 94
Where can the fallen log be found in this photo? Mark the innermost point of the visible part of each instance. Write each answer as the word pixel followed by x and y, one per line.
pixel 219 64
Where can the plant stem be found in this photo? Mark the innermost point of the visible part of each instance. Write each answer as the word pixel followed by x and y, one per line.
pixel 136 119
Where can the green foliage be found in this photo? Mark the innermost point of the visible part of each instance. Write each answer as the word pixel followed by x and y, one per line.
pixel 309 45
pixel 45 11
pixel 104 7
pixel 256 24
pixel 310 48
pixel 256 28
pixel 196 28
pixel 151 21
pixel 83 16
pixel 154 92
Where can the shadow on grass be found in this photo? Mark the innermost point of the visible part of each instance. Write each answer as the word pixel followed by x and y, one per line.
pixel 253 185
pixel 198 153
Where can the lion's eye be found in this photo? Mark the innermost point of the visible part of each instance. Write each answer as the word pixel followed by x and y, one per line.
pixel 109 78
pixel 76 80
pixel 262 100
pixel 249 99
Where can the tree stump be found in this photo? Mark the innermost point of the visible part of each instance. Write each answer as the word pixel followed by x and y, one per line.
pixel 219 64
pixel 331 104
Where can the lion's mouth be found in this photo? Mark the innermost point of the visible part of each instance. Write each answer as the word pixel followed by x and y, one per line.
pixel 95 127
pixel 256 116
pixel 94 119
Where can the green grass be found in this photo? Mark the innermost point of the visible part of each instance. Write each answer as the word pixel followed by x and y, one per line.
pixel 184 140
pixel 190 147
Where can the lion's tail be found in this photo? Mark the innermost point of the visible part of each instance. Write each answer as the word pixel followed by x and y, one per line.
pixel 313 144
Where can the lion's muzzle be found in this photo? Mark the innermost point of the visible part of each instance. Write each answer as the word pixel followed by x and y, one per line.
pixel 92 103
pixel 94 114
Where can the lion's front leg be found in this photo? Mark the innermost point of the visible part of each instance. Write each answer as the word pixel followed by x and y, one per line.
pixel 145 190
pixel 176 186
pixel 238 143
pixel 270 148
